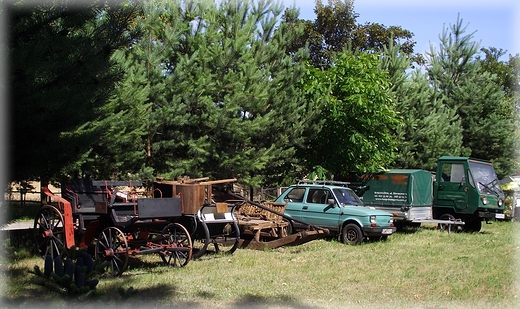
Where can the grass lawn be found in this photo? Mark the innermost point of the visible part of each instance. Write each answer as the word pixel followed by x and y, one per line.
pixel 422 268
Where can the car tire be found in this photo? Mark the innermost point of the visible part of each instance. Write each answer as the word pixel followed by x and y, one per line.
pixel 351 234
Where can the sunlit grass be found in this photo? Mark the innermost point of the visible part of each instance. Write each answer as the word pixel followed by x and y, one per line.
pixel 423 268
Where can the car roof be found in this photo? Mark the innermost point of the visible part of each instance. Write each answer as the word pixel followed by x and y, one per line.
pixel 322 183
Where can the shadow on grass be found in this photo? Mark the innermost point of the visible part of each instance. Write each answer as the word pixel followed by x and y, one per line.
pixel 254 301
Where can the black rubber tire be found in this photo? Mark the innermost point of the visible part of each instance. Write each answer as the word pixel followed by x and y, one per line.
pixel 351 234
pixel 289 229
pixel 445 227
pixel 473 226
pixel 200 239
pixel 227 241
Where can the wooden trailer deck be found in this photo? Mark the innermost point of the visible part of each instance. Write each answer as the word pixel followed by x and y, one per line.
pixel 261 223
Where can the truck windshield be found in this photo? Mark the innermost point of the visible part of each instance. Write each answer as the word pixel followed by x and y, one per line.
pixel 485 178
pixel 346 196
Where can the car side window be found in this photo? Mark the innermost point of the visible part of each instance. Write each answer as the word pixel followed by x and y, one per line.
pixel 295 195
pixel 317 196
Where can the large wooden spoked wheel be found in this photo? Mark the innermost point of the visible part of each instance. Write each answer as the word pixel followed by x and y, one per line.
pixel 49 231
pixel 178 245
pixel 112 249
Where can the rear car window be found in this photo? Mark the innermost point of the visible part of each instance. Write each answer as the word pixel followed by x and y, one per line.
pixel 295 195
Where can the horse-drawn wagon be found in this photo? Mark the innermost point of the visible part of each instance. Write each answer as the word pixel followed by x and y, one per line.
pixel 114 223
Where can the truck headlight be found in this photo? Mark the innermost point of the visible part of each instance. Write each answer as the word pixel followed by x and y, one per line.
pixel 484 200
pixel 500 202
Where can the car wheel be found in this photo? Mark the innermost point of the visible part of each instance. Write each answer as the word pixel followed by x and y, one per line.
pixel 351 234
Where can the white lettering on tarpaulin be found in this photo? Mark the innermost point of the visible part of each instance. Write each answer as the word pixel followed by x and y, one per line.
pixel 390 196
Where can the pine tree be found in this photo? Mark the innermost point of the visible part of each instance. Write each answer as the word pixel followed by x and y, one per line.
pixel 475 95
pixel 210 90
pixel 429 129
pixel 59 78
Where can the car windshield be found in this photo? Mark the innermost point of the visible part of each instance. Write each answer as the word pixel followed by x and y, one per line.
pixel 346 196
pixel 485 177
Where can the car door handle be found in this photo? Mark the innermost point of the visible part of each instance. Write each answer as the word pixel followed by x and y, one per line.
pixel 305 207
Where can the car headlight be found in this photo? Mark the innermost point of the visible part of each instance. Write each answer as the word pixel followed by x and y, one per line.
pixel 373 220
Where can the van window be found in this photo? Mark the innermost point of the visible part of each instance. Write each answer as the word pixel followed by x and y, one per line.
pixel 452 172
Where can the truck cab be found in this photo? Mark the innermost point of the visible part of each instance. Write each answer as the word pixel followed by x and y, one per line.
pixel 467 189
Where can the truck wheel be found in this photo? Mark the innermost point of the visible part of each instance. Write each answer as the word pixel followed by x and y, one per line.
pixel 473 226
pixel 351 234
pixel 445 227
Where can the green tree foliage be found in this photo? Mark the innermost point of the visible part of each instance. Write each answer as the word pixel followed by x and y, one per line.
pixel 210 90
pixel 429 128
pixel 508 77
pixel 59 78
pixel 487 116
pixel 335 30
pixel 359 115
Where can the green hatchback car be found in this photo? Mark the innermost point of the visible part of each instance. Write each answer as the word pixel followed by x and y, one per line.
pixel 332 205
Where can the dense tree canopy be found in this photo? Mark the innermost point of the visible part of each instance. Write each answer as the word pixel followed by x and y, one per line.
pixel 335 30
pixel 59 78
pixel 209 90
pixel 236 89
pixel 358 117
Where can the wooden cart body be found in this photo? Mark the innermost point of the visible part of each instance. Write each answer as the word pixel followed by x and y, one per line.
pixel 215 227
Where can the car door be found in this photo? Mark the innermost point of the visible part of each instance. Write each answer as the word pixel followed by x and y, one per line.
pixel 317 211
pixel 294 199
pixel 452 189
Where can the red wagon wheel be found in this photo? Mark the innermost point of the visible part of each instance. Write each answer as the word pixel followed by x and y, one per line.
pixel 49 232
pixel 179 246
pixel 112 247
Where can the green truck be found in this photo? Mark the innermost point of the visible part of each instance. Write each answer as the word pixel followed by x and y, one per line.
pixel 463 191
